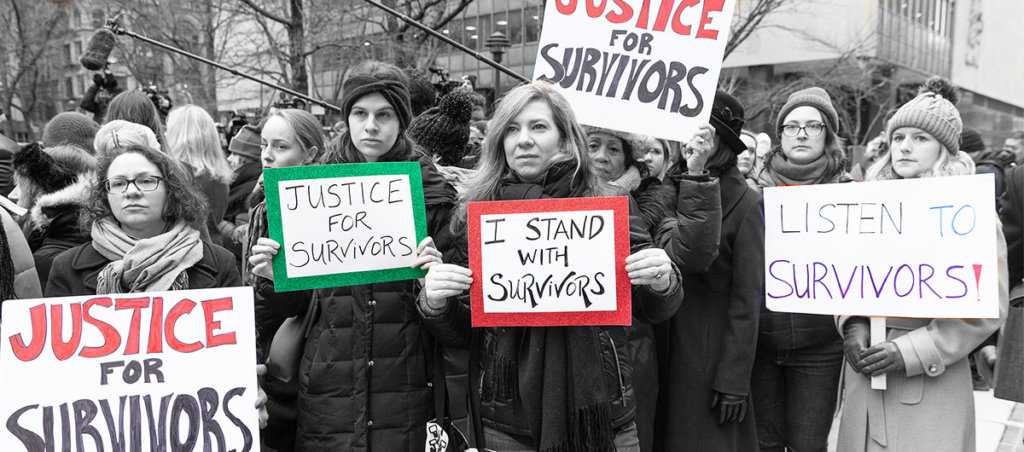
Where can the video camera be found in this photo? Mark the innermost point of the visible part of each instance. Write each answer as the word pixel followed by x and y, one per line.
pixel 159 98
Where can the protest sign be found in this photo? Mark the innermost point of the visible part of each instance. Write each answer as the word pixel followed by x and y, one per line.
pixel 130 372
pixel 640 66
pixel 907 248
pixel 342 225
pixel 550 262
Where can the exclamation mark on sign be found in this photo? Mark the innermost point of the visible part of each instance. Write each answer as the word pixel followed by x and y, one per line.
pixel 977 280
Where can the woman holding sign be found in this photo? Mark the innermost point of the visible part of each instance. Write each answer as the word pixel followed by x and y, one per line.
pixel 552 388
pixel 145 217
pixel 928 403
pixel 799 351
pixel 365 373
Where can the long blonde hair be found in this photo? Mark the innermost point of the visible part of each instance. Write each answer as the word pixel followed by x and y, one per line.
pixel 192 139
pixel 493 166
pixel 948 164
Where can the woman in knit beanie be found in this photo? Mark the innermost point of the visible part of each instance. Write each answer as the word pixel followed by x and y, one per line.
pixel 810 153
pixel 611 157
pixel 930 403
pixel 345 403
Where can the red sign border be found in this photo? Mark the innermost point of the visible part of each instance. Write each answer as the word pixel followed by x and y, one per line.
pixel 623 313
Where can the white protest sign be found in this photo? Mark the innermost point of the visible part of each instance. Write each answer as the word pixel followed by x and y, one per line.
pixel 145 371
pixel 348 224
pixel 550 262
pixel 907 248
pixel 641 66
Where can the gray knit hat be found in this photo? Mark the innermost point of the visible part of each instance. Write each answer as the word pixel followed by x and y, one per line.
pixel 628 139
pixel 814 97
pixel 933 111
pixel 70 128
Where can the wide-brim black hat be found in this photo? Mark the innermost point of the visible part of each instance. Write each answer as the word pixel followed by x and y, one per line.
pixel 727 117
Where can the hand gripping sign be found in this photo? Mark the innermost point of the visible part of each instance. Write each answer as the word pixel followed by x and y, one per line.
pixel 342 225
pixel 908 248
pixel 643 66
pixel 550 262
pixel 132 372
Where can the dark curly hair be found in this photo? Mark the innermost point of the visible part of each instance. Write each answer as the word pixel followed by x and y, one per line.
pixel 183 203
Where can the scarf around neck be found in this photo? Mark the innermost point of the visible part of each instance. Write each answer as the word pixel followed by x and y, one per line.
pixel 556 372
pixel 783 172
pixel 139 265
pixel 630 179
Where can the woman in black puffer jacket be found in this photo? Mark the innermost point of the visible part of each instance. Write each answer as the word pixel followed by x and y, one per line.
pixel 366 371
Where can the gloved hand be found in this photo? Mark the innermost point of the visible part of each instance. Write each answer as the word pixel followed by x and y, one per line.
pixel 731 408
pixel 881 359
pixel 856 332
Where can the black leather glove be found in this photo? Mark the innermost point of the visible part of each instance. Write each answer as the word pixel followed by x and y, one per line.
pixel 856 333
pixel 731 408
pixel 882 359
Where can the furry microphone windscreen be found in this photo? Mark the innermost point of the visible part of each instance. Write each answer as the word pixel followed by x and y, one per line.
pixel 98 50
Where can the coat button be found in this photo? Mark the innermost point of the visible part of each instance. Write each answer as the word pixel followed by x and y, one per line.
pixel 370 363
pixel 430 385
pixel 369 423
pixel 372 302
pixel 933 368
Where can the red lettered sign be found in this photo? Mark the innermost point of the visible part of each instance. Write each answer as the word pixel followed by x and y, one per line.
pixel 550 262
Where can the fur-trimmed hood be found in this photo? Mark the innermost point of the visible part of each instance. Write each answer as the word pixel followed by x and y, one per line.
pixel 47 206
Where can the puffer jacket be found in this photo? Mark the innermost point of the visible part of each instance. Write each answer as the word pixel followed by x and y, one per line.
pixel 364 377
pixel 54 227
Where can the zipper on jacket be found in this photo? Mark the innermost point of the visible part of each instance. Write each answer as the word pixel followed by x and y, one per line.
pixel 618 368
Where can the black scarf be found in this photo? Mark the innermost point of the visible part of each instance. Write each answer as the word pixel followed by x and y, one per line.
pixel 556 372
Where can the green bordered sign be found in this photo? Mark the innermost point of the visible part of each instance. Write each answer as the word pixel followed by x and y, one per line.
pixel 344 225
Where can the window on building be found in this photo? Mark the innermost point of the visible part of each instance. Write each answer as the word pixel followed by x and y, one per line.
pixel 532 21
pixel 76 18
pixel 515 27
pixel 99 18
pixel 77 53
pixel 69 87
pixel 67 54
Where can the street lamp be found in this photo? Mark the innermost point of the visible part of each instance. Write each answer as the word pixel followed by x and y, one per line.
pixel 497 43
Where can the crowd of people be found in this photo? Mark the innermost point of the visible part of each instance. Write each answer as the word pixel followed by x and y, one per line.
pixel 149 202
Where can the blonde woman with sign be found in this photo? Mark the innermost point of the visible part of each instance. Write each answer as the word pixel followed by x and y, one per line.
pixel 547 388
pixel 929 402
pixel 365 372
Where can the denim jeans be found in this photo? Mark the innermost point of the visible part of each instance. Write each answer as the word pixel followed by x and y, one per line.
pixel 625 440
pixel 794 395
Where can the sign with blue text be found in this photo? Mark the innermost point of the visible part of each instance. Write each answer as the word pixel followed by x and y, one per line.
pixel 921 248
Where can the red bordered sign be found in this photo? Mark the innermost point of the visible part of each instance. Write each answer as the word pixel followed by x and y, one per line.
pixel 550 262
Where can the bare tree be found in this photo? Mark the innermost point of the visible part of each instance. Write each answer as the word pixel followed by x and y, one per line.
pixel 749 17
pixel 29 28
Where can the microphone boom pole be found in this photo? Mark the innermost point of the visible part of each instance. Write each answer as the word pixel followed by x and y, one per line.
pixel 450 41
pixel 118 29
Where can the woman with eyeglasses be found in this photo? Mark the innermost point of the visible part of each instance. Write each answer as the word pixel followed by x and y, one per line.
pixel 144 217
pixel 799 356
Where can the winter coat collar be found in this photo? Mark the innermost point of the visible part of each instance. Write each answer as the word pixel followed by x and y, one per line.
pixel 734 188
pixel 75 194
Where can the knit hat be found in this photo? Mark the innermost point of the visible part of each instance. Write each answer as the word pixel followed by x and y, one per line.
pixel 246 142
pixel 120 133
pixel 41 169
pixel 390 85
pixel 628 139
pixel 933 111
pixel 444 129
pixel 70 128
pixel 641 143
pixel 814 97
pixel 970 141
pixel 727 117
pixel 422 94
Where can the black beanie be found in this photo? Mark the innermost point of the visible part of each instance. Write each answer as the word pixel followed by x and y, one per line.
pixel 41 169
pixel 392 87
pixel 970 140
pixel 444 130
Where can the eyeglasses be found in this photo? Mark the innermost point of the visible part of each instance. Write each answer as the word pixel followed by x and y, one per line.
pixel 144 183
pixel 813 129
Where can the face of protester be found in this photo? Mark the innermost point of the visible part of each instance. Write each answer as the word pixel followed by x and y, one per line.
pixel 745 159
pixel 803 148
pixel 607 156
pixel 374 126
pixel 655 159
pixel 913 151
pixel 475 137
pixel 1017 146
pixel 140 213
pixel 532 141
pixel 280 148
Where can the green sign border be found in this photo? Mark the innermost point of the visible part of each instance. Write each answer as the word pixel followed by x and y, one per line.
pixel 272 177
